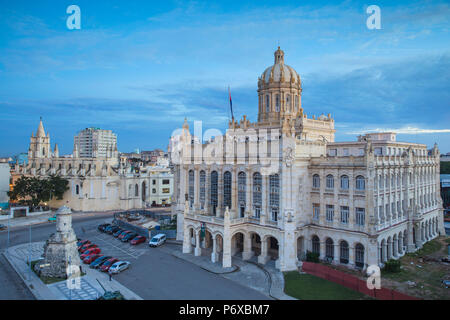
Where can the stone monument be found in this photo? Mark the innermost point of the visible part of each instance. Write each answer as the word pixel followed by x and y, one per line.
pixel 61 259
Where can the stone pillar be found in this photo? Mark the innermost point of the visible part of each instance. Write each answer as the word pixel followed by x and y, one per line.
pixel 234 205
pixel 220 208
pixel 196 188
pixel 400 245
pixel 385 247
pixel 226 257
pixel 198 249
pixel 264 200
pixel 248 194
pixel 247 253
pixel 263 257
pixel 207 191
pixel 411 247
pixel 372 252
pixel 214 255
pixel 187 246
pixel 395 248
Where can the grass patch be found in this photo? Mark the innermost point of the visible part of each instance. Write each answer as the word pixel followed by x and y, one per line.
pixel 428 248
pixel 309 287
pixel 48 280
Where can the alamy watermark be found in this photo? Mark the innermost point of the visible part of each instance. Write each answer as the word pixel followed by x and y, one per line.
pixel 74 20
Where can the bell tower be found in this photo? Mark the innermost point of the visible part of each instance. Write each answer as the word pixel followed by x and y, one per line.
pixel 40 144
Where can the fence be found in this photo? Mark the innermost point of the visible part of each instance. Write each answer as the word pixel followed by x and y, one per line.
pixel 352 282
pixel 170 234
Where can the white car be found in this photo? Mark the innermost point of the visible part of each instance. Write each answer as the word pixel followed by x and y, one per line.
pixel 119 266
pixel 157 240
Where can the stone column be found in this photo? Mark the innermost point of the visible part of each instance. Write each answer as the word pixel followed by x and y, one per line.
pixel 400 245
pixel 226 255
pixel 220 208
pixel 196 188
pixel 247 253
pixel 187 246
pixel 207 191
pixel 264 199
pixel 351 255
pixel 411 247
pixel 385 258
pixel 395 248
pixel 263 257
pixel 214 256
pixel 248 193
pixel 198 249
pixel 234 205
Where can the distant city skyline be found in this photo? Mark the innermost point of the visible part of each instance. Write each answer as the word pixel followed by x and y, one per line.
pixel 140 68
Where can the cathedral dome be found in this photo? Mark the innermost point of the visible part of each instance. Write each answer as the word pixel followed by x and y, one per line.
pixel 280 72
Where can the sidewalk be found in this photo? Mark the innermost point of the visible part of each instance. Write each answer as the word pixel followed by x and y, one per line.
pixel 89 287
pixel 265 279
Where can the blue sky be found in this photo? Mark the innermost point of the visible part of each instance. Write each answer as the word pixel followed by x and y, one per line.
pixel 140 67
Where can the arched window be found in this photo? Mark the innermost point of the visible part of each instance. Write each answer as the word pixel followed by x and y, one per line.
pixel 130 188
pixel 213 191
pixel 315 245
pixel 242 188
pixel 274 197
pixel 77 189
pixel 277 103
pixel 330 182
pixel 136 190
pixel 316 181
pixel 257 194
pixel 191 188
pixel 359 255
pixel 267 103
pixel 344 252
pixel 329 249
pixel 360 183
pixel 288 102
pixel 344 182
pixel 202 195
pixel 227 189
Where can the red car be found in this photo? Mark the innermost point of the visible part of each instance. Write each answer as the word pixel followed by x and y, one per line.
pixel 91 258
pixel 85 248
pixel 89 252
pixel 107 264
pixel 123 234
pixel 138 239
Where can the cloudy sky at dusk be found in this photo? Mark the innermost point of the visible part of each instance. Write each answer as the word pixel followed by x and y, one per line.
pixel 140 67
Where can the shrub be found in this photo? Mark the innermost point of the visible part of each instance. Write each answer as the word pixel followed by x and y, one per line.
pixel 392 266
pixel 312 256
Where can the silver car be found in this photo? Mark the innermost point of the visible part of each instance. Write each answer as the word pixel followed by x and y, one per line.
pixel 119 266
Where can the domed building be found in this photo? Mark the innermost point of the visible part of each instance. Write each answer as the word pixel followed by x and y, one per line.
pixel 272 190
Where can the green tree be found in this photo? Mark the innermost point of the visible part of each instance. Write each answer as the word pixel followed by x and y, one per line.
pixel 33 190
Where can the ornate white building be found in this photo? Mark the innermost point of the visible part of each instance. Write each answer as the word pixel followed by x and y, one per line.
pixel 279 187
pixel 99 183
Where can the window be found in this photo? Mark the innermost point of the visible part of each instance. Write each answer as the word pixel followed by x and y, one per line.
pixel 344 252
pixel 360 183
pixel 346 152
pixel 227 189
pixel 277 103
pixel 344 214
pixel 242 192
pixel 288 102
pixel 344 183
pixel 330 182
pixel 316 211
pixel 77 189
pixel 296 102
pixel 166 190
pixel 332 152
pixel 274 197
pixel 378 151
pixel 191 188
pixel 202 195
pixel 136 190
pixel 257 194
pixel 213 191
pixel 167 181
pixel 316 181
pixel 316 245
pixel 153 190
pixel 360 216
pixel 359 255
pixel 153 182
pixel 267 103
pixel 329 213
pixel 329 249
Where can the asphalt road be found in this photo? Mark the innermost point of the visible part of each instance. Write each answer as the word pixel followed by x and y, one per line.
pixel 154 274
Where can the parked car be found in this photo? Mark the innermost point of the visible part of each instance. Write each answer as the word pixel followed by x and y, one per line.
pixel 91 258
pixel 118 232
pixel 2 226
pixel 97 263
pixel 157 240
pixel 129 237
pixel 137 240
pixel 119 266
pixel 102 227
pixel 112 229
pixel 87 247
pixel 52 219
pixel 107 264
pixel 123 234
pixel 81 243
pixel 95 250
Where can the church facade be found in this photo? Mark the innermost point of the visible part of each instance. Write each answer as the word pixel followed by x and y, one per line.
pixel 281 187
pixel 99 183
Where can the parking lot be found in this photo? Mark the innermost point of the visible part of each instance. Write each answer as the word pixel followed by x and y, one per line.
pixel 155 273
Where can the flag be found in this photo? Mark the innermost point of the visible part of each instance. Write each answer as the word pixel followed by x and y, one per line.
pixel 231 102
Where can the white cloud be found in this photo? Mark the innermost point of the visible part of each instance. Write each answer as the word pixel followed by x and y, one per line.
pixel 404 130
